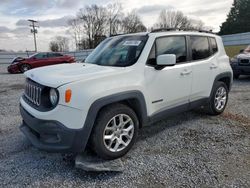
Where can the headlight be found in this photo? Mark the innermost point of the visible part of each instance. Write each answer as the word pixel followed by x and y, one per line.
pixel 53 96
pixel 14 63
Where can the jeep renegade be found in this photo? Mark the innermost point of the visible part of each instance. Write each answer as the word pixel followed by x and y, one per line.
pixel 127 82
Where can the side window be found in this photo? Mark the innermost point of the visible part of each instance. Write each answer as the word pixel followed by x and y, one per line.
pixel 50 55
pixel 200 47
pixel 213 45
pixel 54 55
pixel 41 56
pixel 172 45
pixel 58 55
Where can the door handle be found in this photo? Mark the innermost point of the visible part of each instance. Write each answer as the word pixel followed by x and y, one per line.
pixel 186 72
pixel 213 66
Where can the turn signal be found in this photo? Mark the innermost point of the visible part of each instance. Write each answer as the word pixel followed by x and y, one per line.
pixel 68 94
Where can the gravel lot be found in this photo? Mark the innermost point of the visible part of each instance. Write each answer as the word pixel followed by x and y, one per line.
pixel 189 150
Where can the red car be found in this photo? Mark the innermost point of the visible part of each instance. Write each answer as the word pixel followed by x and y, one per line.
pixel 20 64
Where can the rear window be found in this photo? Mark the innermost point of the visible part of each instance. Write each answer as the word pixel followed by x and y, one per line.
pixel 54 55
pixel 200 47
pixel 213 45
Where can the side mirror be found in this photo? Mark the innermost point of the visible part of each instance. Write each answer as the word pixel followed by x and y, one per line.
pixel 165 60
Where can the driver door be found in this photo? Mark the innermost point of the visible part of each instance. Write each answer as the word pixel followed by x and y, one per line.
pixel 171 86
pixel 40 60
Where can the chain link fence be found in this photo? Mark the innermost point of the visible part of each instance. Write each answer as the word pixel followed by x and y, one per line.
pixel 7 57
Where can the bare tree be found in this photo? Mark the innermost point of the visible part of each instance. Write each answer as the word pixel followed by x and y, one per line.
pixel 114 13
pixel 94 21
pixel 197 24
pixel 53 46
pixel 132 23
pixel 77 31
pixel 59 44
pixel 172 19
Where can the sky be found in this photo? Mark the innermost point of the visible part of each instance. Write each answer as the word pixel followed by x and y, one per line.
pixel 53 15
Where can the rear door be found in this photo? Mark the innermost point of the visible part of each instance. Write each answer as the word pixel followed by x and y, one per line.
pixel 204 62
pixel 55 58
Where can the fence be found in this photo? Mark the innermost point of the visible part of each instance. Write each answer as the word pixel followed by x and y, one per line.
pixel 236 39
pixel 236 42
pixel 7 57
pixel 233 44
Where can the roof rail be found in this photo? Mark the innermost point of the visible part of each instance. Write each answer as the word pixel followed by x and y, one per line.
pixel 180 29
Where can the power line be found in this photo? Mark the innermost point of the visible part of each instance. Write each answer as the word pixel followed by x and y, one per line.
pixel 34 31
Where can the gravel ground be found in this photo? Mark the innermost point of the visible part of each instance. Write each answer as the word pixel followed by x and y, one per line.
pixel 188 150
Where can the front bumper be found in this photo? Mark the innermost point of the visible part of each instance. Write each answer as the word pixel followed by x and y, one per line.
pixel 13 68
pixel 51 135
pixel 244 70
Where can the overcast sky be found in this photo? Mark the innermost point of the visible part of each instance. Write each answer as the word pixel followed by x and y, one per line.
pixel 53 15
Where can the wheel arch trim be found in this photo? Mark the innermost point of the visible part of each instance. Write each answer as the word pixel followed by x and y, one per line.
pixel 221 76
pixel 102 102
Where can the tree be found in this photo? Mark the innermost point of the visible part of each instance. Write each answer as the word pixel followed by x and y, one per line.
pixel 94 21
pixel 77 31
pixel 114 13
pixel 132 23
pixel 176 19
pixel 53 46
pixel 238 18
pixel 172 19
pixel 59 44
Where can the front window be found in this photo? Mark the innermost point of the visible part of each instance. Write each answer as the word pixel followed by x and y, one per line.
pixel 119 51
pixel 169 45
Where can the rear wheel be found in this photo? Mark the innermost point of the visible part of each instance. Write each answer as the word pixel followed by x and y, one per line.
pixel 218 100
pixel 25 67
pixel 115 131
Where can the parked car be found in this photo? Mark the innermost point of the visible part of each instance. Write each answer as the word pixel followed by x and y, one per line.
pixel 20 64
pixel 241 63
pixel 127 82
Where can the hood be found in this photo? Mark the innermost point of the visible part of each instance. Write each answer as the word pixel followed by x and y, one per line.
pixel 244 56
pixel 18 59
pixel 57 75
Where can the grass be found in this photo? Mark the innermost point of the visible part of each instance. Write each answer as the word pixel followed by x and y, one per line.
pixel 234 50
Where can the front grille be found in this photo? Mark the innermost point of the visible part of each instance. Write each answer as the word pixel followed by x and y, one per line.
pixel 33 93
pixel 244 62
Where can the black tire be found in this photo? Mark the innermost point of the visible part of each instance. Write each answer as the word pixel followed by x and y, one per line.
pixel 236 76
pixel 25 67
pixel 211 107
pixel 105 116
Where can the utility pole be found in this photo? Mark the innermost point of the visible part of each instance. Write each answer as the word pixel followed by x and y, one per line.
pixel 34 31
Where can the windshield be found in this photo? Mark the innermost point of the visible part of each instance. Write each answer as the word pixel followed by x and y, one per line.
pixel 33 55
pixel 118 51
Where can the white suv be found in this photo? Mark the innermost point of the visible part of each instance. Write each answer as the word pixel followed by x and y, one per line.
pixel 127 82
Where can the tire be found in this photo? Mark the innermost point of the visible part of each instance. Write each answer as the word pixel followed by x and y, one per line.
pixel 108 123
pixel 218 100
pixel 236 76
pixel 25 67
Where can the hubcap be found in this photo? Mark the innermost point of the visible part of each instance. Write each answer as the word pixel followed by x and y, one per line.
pixel 25 68
pixel 118 133
pixel 220 98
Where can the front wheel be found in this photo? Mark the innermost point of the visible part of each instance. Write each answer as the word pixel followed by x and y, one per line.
pixel 218 99
pixel 115 131
pixel 25 67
